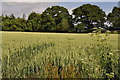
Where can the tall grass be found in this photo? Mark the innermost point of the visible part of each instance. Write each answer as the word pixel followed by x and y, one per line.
pixel 92 55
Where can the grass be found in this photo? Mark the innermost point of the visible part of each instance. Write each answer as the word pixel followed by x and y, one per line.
pixel 58 55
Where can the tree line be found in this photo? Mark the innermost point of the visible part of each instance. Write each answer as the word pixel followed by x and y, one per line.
pixel 57 19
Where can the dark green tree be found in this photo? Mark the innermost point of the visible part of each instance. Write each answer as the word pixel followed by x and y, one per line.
pixel 33 15
pixel 5 17
pixel 80 28
pixel 114 19
pixel 12 16
pixel 35 20
pixel 90 15
pixel 53 19
pixel 0 23
pixel 0 18
pixel 10 23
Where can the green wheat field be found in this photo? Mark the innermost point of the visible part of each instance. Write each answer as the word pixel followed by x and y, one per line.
pixel 59 55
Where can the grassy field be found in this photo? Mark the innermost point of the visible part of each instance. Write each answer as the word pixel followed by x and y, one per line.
pixel 58 55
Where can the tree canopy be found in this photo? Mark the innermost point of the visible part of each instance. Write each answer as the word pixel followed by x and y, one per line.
pixel 89 15
pixel 57 19
pixel 114 18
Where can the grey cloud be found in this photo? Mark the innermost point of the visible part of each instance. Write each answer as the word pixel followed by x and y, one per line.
pixel 18 8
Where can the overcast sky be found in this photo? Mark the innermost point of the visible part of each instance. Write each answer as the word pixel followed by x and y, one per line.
pixel 18 7
pixel 60 0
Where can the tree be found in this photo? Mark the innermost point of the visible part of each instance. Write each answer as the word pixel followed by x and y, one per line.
pixel 33 15
pixel 63 26
pixel 80 28
pixel 24 16
pixel 48 23
pixel 20 23
pixel 29 25
pixel 13 24
pixel 13 28
pixel 12 16
pixel 53 17
pixel 35 19
pixel 114 19
pixel 5 17
pixel 0 23
pixel 90 15
pixel 0 18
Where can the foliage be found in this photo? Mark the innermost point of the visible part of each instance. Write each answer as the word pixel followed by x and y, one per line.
pixel 58 19
pixel 33 16
pixel 107 62
pixel 114 19
pixel 80 28
pixel 14 24
pixel 89 15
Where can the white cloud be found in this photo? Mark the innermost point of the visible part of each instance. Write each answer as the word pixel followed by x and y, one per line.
pixel 70 10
